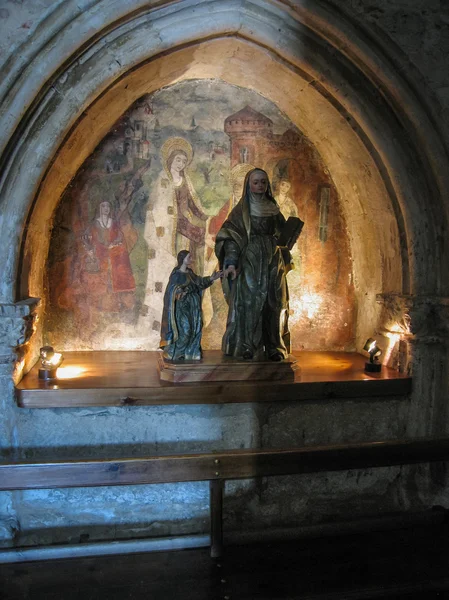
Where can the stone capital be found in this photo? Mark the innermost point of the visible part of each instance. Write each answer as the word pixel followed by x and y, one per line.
pixel 421 319
pixel 17 323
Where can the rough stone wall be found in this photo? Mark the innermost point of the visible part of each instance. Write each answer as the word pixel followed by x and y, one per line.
pixel 421 30
pixel 38 517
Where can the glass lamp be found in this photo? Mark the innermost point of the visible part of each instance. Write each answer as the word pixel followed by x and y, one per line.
pixel 50 361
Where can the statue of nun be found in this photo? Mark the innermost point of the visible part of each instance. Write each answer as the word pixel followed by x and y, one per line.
pixel 254 276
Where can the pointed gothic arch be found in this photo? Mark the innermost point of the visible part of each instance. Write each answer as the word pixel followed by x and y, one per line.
pixel 342 86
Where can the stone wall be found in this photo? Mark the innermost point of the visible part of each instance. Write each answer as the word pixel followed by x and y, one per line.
pixel 420 28
pixel 54 516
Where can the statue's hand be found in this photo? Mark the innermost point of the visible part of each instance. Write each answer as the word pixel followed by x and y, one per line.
pixel 230 272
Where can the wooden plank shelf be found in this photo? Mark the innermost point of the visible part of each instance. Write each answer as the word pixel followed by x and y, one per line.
pixel 217 467
pixel 230 464
pixel 131 379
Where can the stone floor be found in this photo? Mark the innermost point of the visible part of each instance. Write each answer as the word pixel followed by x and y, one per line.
pixel 399 565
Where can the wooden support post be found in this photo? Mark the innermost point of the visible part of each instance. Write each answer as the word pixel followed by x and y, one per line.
pixel 216 517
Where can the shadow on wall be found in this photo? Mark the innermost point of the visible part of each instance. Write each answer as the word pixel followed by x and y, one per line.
pixel 104 513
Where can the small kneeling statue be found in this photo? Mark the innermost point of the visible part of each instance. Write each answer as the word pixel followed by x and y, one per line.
pixel 182 319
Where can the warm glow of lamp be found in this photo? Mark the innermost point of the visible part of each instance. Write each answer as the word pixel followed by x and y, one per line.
pixel 50 361
pixel 308 304
pixel 371 347
pixel 393 339
pixel 69 372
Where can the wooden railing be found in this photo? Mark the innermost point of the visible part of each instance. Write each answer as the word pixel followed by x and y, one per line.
pixel 218 467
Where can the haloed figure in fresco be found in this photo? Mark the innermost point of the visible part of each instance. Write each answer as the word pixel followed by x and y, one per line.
pixel 177 214
pixel 254 277
pixel 175 221
pixel 285 203
pixel 191 220
pixel 182 317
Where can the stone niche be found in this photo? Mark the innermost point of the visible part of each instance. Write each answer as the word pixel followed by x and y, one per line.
pixel 113 242
pixel 349 252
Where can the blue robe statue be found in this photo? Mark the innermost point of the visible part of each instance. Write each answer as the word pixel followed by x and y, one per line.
pixel 182 320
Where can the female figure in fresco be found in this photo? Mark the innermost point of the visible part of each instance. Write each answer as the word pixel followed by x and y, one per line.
pixel 257 292
pixel 175 221
pixel 182 316
pixel 285 203
pixel 177 213
pixel 107 267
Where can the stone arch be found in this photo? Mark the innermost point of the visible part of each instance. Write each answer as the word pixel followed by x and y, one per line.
pixel 370 124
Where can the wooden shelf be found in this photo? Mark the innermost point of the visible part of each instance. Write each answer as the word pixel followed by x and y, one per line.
pixel 132 379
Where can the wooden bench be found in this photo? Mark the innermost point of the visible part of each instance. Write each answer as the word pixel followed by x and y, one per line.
pixel 218 467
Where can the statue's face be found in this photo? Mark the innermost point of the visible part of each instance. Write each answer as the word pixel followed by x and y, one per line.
pixel 187 260
pixel 105 208
pixel 179 163
pixel 258 182
pixel 284 186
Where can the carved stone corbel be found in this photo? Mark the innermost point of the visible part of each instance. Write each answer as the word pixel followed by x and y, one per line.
pixel 419 319
pixel 414 322
pixel 17 325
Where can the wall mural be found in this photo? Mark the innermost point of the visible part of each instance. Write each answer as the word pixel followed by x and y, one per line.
pixel 164 179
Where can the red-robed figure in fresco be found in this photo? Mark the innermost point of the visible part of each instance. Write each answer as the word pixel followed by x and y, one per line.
pixel 107 268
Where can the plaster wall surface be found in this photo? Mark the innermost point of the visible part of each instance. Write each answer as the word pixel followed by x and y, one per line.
pixel 363 195
pixel 83 312
pixel 421 31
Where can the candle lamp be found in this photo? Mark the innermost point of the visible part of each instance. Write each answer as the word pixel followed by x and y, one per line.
pixel 50 361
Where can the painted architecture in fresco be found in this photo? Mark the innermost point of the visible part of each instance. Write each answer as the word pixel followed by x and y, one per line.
pixel 165 179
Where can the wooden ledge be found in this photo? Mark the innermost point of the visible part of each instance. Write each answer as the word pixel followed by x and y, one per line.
pixel 230 464
pixel 131 379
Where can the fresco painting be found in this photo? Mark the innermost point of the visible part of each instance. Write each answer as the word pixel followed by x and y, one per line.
pixel 165 179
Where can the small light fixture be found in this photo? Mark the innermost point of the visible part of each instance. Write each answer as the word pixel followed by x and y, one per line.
pixel 373 366
pixel 50 361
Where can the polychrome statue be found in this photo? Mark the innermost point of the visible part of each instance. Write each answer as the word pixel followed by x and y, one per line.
pixel 254 278
pixel 182 316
